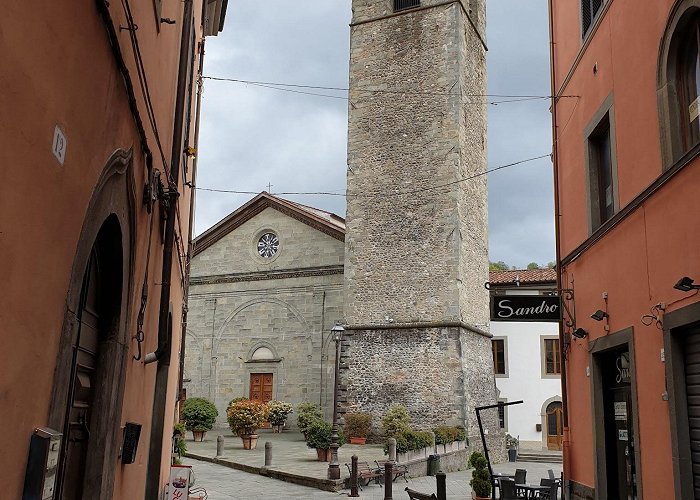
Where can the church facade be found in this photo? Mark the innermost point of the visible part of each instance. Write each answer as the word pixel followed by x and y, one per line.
pixel 265 290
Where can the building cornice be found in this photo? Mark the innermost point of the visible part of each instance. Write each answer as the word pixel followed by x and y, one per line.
pixel 352 329
pixel 217 279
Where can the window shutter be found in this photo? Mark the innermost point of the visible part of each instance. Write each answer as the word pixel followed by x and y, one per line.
pixel 405 4
pixel 586 16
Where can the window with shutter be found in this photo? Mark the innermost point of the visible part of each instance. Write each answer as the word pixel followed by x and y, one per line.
pixel 405 4
pixel 589 11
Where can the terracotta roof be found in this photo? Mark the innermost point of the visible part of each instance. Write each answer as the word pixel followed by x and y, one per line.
pixel 523 276
pixel 326 222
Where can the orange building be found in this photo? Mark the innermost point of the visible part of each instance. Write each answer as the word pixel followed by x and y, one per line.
pixel 99 106
pixel 627 183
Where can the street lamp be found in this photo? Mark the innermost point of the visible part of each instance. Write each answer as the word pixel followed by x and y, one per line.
pixel 334 466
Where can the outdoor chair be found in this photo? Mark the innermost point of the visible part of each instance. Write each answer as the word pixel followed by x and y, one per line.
pixel 551 494
pixel 495 481
pixel 520 475
pixel 398 470
pixel 416 495
pixel 507 490
pixel 365 472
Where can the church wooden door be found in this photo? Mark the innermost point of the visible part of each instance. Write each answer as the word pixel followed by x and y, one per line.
pixel 261 387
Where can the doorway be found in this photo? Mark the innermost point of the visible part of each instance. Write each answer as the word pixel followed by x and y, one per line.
pixel 98 312
pixel 615 416
pixel 555 429
pixel 261 387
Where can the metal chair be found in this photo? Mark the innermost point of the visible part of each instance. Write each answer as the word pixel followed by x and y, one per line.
pixel 550 494
pixel 520 475
pixel 507 490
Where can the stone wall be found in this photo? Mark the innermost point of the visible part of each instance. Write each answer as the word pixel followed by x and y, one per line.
pixel 416 244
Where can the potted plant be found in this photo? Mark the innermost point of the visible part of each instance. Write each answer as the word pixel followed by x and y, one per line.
pixel 199 415
pixel 179 444
pixel 278 411
pixel 319 435
pixel 512 445
pixel 245 417
pixel 357 427
pixel 481 478
pixel 307 413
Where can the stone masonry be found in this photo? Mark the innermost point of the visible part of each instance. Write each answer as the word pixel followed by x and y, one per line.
pixel 240 302
pixel 416 240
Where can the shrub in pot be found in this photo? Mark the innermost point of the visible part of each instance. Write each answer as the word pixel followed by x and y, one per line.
pixel 244 418
pixel 308 413
pixel 357 426
pixel 446 435
pixel 481 479
pixel 199 415
pixel 319 435
pixel 395 421
pixel 278 412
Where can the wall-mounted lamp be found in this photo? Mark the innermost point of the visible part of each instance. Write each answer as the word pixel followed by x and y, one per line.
pixel 599 315
pixel 580 333
pixel 685 284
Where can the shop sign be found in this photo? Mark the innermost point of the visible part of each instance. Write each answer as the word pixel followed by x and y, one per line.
pixel 622 367
pixel 544 308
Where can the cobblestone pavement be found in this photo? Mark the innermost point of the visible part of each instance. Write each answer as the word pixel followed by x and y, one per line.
pixel 223 483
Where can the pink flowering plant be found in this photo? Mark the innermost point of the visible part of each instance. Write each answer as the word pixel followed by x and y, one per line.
pixel 245 417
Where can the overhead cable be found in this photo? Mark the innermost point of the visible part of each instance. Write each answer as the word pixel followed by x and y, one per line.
pixel 398 193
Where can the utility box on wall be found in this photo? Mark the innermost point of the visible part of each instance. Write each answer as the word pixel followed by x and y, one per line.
pixel 42 466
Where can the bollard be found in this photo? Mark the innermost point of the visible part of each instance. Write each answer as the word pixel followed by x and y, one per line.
pixel 392 449
pixel 388 479
pixel 353 477
pixel 220 446
pixel 441 485
pixel 268 453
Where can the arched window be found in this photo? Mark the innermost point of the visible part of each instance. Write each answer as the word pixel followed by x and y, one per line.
pixel 678 82
pixel 688 82
pixel 262 353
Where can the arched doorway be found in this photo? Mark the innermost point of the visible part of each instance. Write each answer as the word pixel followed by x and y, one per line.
pixel 99 309
pixel 91 363
pixel 554 427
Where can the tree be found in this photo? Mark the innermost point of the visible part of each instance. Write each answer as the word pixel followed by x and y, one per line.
pixel 498 266
pixel 551 265
pixel 533 265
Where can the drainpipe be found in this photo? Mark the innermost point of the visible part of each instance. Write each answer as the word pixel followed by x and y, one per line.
pixel 162 353
pixel 566 450
pixel 193 195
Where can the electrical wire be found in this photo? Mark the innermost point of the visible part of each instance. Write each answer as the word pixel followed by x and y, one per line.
pixel 362 89
pixel 399 193
pixel 143 81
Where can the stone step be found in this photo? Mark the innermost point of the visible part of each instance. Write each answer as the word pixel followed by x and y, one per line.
pixel 542 457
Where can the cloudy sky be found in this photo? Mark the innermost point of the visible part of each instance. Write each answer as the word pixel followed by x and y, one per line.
pixel 254 136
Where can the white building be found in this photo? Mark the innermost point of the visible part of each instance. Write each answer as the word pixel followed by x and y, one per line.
pixel 527 364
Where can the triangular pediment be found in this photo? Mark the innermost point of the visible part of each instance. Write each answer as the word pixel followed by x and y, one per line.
pixel 325 222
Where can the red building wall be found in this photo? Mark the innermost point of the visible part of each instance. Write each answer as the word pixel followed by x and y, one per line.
pixel 58 68
pixel 639 257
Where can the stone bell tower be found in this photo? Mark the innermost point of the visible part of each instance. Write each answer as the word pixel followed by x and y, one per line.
pixel 416 242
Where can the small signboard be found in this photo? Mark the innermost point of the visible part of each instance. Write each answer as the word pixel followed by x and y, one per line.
pixel 179 485
pixel 541 308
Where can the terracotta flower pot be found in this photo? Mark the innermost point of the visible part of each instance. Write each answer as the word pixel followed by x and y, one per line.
pixel 199 435
pixel 324 454
pixel 356 440
pixel 250 441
